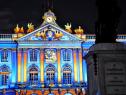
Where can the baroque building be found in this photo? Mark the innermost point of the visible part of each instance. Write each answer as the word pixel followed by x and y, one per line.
pixel 45 61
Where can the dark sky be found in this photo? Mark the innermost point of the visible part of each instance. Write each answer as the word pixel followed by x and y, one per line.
pixel 78 12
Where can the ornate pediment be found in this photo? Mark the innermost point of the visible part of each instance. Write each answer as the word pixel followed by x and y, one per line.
pixel 49 32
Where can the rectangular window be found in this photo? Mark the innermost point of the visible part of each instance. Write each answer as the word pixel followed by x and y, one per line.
pixel 66 55
pixel 4 79
pixel 4 56
pixel 33 55
pixel 67 78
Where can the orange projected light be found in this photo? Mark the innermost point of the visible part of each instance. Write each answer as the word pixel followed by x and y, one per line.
pixel 81 73
pixel 42 65
pixel 25 64
pixel 59 69
pixel 75 66
pixel 19 66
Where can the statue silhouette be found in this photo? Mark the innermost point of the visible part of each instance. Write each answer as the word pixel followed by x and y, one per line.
pixel 108 19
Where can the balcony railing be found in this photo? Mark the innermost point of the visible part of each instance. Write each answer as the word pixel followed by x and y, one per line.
pixel 84 37
pixel 6 36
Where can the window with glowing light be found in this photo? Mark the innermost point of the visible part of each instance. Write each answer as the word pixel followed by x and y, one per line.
pixel 67 74
pixel 5 75
pixel 50 74
pixel 33 75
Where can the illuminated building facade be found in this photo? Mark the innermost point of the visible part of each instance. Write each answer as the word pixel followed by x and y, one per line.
pixel 46 60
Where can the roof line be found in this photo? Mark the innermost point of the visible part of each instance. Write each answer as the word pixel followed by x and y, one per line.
pixel 42 27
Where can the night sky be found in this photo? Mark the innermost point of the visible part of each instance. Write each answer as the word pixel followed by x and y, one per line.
pixel 78 12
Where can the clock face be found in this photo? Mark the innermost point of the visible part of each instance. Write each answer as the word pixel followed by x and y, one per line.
pixel 49 19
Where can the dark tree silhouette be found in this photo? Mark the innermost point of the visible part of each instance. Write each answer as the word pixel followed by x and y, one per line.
pixel 108 19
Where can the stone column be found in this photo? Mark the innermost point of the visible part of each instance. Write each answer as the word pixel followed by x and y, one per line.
pixel 81 66
pixel 19 64
pixel 59 66
pixel 14 65
pixel 42 65
pixel 75 64
pixel 25 64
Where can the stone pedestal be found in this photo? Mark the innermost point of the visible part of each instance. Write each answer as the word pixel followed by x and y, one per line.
pixel 107 69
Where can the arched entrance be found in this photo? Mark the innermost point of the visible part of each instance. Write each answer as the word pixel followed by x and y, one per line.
pixel 33 75
pixel 67 74
pixel 4 72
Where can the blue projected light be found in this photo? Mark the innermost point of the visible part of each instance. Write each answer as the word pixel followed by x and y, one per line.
pixel 85 71
pixel 49 59
pixel 68 94
pixel 6 45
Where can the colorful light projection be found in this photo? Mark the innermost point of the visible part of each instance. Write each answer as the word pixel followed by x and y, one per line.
pixel 50 56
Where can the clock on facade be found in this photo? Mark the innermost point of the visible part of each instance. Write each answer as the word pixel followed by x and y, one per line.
pixel 49 19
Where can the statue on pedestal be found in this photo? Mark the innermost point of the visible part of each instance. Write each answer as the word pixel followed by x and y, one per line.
pixel 108 19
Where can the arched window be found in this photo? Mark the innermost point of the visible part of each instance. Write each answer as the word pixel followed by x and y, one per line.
pixel 67 74
pixel 4 74
pixel 33 55
pixel 4 55
pixel 33 75
pixel 50 74
pixel 66 55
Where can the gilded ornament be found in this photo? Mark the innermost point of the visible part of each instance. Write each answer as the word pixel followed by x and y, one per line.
pixel 68 28
pixel 79 30
pixel 17 29
pixel 30 27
